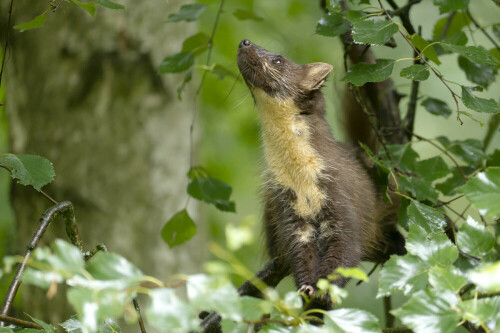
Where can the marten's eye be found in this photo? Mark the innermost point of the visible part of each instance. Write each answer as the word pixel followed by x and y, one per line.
pixel 276 61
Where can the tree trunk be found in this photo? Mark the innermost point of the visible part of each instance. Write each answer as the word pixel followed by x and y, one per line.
pixel 84 92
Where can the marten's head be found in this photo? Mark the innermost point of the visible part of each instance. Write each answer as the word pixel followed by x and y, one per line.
pixel 277 75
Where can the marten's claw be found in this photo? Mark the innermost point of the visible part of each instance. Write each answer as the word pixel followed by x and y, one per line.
pixel 308 290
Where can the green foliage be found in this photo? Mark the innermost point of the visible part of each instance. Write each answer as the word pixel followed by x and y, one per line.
pixel 415 72
pixel 187 13
pixel 437 107
pixel 88 6
pixel 30 170
pixel 483 191
pixel 35 23
pixel 176 63
pixel 373 31
pixel 179 229
pixel 361 73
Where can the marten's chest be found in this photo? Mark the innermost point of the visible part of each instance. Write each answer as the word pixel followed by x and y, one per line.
pixel 292 162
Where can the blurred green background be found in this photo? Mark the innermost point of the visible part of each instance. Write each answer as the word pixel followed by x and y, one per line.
pixel 227 129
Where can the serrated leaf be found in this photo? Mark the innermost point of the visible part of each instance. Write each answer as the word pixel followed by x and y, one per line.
pixel 453 27
pixel 362 72
pixel 352 321
pixel 404 155
pixel 72 325
pixel 406 273
pixel 425 216
pixel 169 313
pixel 423 45
pixel 436 107
pixel 415 72
pixel 477 54
pixel 446 6
pixel 196 43
pixel 35 23
pixel 47 328
pixel 243 14
pixel 479 104
pixel 430 312
pixel 373 31
pixel 332 24
pixel 486 276
pixel 109 4
pixel 187 13
pixel 88 6
pixel 208 293
pixel 482 311
pixel 252 308
pixel 474 239
pixel 483 191
pixel 31 170
pixel 420 188
pixel 432 168
pixel 434 248
pixel 111 266
pixel 469 150
pixel 179 229
pixel 42 279
pixel 176 63
pixel 450 185
pixel 447 278
pixel 460 38
pixel 481 74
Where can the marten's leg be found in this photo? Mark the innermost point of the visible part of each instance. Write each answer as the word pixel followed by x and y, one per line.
pixel 271 274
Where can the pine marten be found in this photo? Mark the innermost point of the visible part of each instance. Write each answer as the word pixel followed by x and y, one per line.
pixel 323 209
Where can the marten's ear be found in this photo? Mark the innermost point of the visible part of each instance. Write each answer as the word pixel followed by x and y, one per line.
pixel 315 75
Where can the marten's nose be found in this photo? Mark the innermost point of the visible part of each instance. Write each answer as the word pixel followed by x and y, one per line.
pixel 244 42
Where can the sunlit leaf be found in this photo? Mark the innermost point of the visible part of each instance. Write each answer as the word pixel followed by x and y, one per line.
pixel 477 54
pixel 352 321
pixel 479 104
pixel 450 5
pixel 109 4
pixel 373 31
pixel 447 278
pixel 437 107
pixel 35 23
pixel 176 63
pixel 484 311
pixel 425 216
pixel 111 266
pixel 486 277
pixel 188 13
pixel 423 45
pixel 415 72
pixel 473 238
pixel 481 74
pixel 483 191
pixel 88 6
pixel 432 168
pixel 196 43
pixel 31 170
pixel 405 273
pixel 362 72
pixel 420 189
pixel 352 272
pixel 430 312
pixel 179 229
pixel 434 248
pixel 452 27
pixel 243 14
pixel 332 24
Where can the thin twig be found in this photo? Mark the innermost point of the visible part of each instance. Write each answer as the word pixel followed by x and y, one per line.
pixel 138 310
pixel 448 24
pixel 397 330
pixel 481 295
pixel 19 322
pixel 6 46
pixel 195 111
pixel 389 318
pixel 492 40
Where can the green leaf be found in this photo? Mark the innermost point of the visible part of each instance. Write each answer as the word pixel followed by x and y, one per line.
pixel 437 107
pixel 481 74
pixel 187 13
pixel 496 30
pixel 423 45
pixel 31 170
pixel 406 273
pixel 446 6
pixel 415 72
pixel 35 23
pixel 449 186
pixel 470 150
pixel 430 312
pixel 486 277
pixel 403 155
pixel 88 6
pixel 42 279
pixel 47 328
pixel 220 71
pixel 483 192
pixel 352 320
pixel 427 217
pixel 210 190
pixel 459 38
pixel 434 248
pixel 373 31
pixel 243 14
pixel 218 295
pixel 109 4
pixel 432 168
pixel 453 27
pixel 196 43
pixel 176 63
pixel 72 325
pixel 332 24
pixel 179 229
pixel 66 257
pixel 494 159
pixel 477 54
pixel 362 72
pixel 482 311
pixel 447 278
pixel 474 239
pixel 111 266
pixel 253 308
pixel 420 188
pixel 479 104
pixel 187 78
pixel 168 313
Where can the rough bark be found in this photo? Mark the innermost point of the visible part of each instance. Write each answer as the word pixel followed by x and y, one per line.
pixel 83 92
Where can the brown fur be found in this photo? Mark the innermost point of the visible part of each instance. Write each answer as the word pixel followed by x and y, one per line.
pixel 322 208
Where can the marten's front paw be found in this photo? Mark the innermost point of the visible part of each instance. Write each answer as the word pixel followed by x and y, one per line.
pixel 309 290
